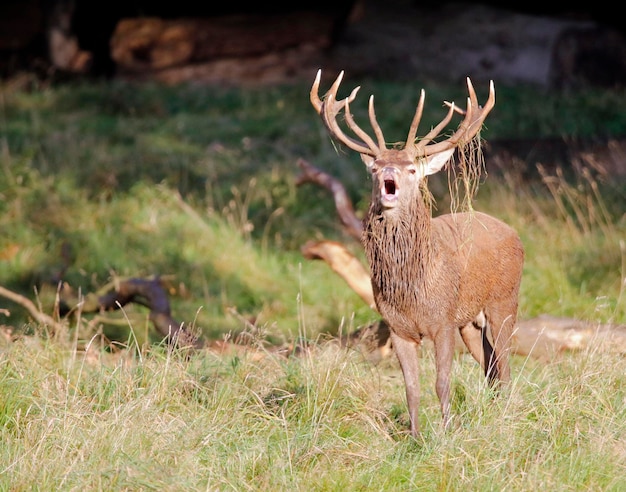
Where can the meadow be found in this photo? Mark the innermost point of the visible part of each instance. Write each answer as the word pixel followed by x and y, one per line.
pixel 108 180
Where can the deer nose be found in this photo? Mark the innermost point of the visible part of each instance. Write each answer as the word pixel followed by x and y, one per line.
pixel 389 171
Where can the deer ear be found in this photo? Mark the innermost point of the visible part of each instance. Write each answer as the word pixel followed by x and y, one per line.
pixel 368 160
pixel 435 162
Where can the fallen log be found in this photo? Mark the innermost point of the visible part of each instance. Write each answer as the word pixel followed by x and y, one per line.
pixel 546 335
pixel 155 43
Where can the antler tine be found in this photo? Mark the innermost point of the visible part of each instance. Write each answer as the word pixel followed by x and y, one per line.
pixel 410 140
pixel 422 144
pixel 329 108
pixel 335 87
pixel 473 100
pixel 375 125
pixel 469 127
pixel 456 108
pixel 314 94
pixel 359 131
pixel 491 101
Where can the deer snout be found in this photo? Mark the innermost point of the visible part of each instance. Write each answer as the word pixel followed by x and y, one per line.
pixel 389 186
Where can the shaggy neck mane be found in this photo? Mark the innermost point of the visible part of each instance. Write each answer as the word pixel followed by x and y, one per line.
pixel 398 248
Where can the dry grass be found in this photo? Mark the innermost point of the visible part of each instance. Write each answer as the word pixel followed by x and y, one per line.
pixel 326 419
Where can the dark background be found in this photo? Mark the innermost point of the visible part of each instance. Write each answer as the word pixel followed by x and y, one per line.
pixel 25 27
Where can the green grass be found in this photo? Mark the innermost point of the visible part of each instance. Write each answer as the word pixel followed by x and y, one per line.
pixel 198 184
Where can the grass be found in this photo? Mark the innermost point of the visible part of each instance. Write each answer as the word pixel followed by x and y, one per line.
pixel 198 184
pixel 328 420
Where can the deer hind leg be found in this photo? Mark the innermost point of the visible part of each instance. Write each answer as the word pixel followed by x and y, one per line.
pixel 474 335
pixel 501 320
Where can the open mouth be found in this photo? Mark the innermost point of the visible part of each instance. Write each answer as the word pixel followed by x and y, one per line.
pixel 389 189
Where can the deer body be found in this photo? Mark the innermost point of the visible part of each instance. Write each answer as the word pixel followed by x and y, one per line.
pixel 456 272
pixel 433 276
pixel 448 278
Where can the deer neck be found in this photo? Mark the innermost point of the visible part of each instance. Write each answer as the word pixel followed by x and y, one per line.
pixel 398 246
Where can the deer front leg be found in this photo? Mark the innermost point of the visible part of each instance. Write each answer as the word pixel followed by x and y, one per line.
pixel 406 351
pixel 444 351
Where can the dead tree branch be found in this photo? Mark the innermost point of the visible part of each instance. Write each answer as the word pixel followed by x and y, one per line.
pixel 149 293
pixel 343 204
pixel 145 292
pixel 345 264
pixel 37 315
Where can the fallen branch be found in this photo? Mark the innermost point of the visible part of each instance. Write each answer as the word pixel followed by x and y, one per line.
pixel 146 292
pixel 311 174
pixel 337 256
pixel 38 316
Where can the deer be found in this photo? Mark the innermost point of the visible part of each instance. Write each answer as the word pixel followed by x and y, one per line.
pixel 432 276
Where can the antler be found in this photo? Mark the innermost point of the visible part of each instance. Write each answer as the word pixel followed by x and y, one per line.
pixel 472 122
pixel 329 108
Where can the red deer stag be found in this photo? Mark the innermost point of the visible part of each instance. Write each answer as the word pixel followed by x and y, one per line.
pixel 432 276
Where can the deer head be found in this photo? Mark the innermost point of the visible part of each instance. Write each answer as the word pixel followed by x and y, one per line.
pixel 417 157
